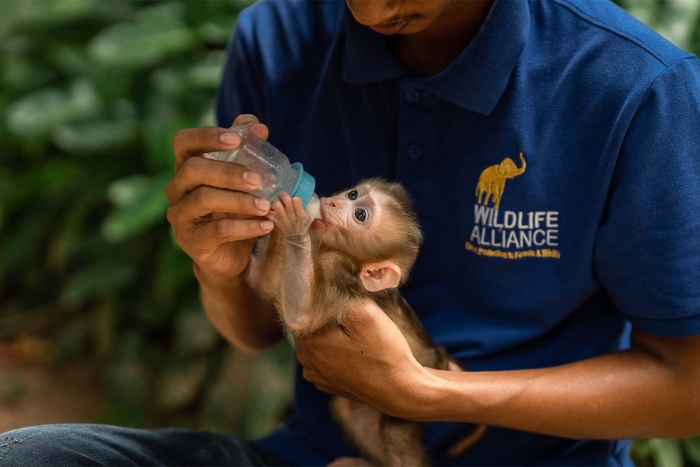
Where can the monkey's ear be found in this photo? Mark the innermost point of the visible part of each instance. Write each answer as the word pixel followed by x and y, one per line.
pixel 380 276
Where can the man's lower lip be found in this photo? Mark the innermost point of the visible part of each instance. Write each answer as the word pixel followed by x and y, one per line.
pixel 389 30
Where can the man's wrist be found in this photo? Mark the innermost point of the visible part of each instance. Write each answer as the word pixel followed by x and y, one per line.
pixel 444 396
pixel 211 282
pixel 427 402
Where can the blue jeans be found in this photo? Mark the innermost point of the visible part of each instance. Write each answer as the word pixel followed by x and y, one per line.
pixel 104 445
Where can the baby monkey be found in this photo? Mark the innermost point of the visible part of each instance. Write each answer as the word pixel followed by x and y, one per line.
pixel 317 270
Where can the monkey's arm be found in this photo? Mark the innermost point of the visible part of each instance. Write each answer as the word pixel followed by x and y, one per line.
pixel 264 271
pixel 294 297
pixel 295 285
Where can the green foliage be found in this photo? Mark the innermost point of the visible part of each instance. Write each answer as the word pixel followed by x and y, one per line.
pixel 91 94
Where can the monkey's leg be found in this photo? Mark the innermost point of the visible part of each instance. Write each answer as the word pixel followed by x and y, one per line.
pixel 361 424
pixel 403 444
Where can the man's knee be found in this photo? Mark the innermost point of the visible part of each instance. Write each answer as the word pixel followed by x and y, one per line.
pixel 42 445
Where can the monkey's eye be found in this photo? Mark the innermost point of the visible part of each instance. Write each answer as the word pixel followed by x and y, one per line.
pixel 360 214
pixel 352 194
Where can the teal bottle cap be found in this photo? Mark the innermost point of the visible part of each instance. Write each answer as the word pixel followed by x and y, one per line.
pixel 304 186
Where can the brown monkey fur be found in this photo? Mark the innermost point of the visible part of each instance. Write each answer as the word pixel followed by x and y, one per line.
pixel 316 271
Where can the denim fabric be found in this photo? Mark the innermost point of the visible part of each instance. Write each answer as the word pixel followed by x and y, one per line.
pixel 104 445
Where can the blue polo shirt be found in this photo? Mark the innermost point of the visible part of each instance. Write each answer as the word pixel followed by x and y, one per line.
pixel 529 261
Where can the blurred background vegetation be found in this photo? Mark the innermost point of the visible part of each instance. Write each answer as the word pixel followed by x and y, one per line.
pixel 91 93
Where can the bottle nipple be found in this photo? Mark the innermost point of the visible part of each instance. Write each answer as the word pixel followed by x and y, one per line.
pixel 313 207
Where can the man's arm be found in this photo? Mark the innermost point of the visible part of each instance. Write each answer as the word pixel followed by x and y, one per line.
pixel 216 222
pixel 650 390
pixel 244 317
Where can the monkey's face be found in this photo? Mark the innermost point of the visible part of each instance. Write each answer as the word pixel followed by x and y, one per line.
pixel 350 218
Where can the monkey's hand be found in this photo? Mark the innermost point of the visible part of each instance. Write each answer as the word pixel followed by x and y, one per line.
pixel 289 217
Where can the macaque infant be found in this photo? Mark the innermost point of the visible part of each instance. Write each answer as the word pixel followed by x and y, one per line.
pixel 317 270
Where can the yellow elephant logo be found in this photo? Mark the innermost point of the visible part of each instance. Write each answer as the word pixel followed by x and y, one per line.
pixel 492 180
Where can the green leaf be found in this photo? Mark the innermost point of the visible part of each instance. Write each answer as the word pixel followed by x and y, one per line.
pixel 173 272
pixel 23 244
pixel 194 333
pixel 140 203
pixel 99 278
pixel 95 136
pixel 45 109
pixel 156 33
pixel 218 30
pixel 666 452
pixel 207 73
pixel 20 13
pixel 691 446
pixel 63 245
pixel 678 21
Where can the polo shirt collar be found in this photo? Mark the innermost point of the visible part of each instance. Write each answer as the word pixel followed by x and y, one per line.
pixel 475 80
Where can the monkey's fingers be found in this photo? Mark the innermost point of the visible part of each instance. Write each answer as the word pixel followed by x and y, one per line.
pixel 285 199
pixel 277 205
pixel 298 207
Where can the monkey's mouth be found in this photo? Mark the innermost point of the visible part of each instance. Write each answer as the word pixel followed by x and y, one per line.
pixel 322 221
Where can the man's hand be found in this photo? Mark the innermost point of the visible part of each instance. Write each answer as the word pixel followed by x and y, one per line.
pixel 215 222
pixel 367 360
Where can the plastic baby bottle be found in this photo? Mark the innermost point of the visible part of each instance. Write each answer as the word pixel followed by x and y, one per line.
pixel 274 168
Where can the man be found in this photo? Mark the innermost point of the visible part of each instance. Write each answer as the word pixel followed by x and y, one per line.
pixel 552 150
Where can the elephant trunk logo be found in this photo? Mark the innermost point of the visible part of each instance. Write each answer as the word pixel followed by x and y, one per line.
pixel 492 180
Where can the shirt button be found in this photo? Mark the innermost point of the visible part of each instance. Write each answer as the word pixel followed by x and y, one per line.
pixel 412 96
pixel 414 152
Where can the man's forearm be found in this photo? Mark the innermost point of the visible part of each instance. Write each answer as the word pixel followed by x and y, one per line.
pixel 242 316
pixel 629 394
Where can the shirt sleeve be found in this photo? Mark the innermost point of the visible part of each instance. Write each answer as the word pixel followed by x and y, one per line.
pixel 647 250
pixel 242 87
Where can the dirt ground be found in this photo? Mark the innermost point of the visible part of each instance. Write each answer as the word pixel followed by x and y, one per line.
pixel 39 394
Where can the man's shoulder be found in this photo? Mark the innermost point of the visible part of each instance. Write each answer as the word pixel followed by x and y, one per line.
pixel 596 52
pixel 609 25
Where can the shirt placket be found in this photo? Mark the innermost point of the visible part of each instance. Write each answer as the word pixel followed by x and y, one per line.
pixel 416 146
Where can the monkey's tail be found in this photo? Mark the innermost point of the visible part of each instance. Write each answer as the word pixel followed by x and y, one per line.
pixel 467 442
pixel 475 435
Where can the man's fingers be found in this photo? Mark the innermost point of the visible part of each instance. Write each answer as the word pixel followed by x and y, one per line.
pixel 311 375
pixel 206 200
pixel 209 235
pixel 252 122
pixel 322 384
pixel 197 171
pixel 195 141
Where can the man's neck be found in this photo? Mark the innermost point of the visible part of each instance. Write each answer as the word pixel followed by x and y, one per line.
pixel 430 51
